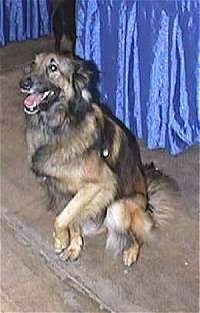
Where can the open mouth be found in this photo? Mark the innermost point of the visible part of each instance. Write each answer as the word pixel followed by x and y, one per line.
pixel 33 101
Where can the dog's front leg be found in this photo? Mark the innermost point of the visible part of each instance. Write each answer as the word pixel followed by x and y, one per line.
pixel 88 202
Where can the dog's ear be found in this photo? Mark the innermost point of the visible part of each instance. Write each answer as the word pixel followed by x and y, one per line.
pixel 82 75
pixel 80 82
pixel 80 103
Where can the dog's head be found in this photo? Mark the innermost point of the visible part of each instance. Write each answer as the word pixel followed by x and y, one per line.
pixel 54 78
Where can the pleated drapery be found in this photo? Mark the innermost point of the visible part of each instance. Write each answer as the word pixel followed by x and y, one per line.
pixel 147 53
pixel 24 19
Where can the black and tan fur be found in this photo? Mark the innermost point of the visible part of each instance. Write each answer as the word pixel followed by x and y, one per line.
pixel 90 165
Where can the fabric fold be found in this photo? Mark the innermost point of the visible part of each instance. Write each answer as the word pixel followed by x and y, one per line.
pixel 148 55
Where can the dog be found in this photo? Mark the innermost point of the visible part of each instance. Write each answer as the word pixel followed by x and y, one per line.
pixel 90 165
pixel 64 26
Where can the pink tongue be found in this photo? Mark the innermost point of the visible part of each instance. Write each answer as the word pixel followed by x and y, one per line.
pixel 33 100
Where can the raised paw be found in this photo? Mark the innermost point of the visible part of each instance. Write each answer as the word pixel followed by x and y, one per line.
pixel 61 240
pixel 130 255
pixel 73 251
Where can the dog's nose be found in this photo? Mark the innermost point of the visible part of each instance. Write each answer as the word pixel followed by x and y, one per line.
pixel 26 83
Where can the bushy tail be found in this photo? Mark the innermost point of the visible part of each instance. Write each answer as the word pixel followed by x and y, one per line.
pixel 163 195
pixel 126 217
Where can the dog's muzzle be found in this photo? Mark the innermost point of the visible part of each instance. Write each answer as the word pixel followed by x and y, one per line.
pixel 35 95
pixel 33 101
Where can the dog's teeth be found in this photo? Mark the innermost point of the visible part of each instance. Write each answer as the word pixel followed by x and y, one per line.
pixel 46 93
pixel 24 91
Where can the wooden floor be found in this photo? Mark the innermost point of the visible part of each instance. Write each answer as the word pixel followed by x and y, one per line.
pixel 33 279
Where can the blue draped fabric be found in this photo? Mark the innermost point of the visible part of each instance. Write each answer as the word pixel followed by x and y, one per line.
pixel 23 19
pixel 147 52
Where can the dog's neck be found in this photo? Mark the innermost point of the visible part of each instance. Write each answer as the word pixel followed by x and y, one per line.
pixel 77 139
pixel 86 136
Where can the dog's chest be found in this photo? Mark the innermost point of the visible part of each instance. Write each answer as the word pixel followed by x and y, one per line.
pixel 36 137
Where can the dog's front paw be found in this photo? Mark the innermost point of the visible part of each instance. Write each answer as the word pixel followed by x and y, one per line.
pixel 72 253
pixel 61 240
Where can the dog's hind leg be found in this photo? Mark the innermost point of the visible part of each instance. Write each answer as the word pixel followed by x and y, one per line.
pixel 128 217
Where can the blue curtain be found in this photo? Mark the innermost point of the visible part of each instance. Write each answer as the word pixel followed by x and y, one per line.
pixel 147 52
pixel 23 19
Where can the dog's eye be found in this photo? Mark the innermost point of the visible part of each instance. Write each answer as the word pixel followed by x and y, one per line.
pixel 53 68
